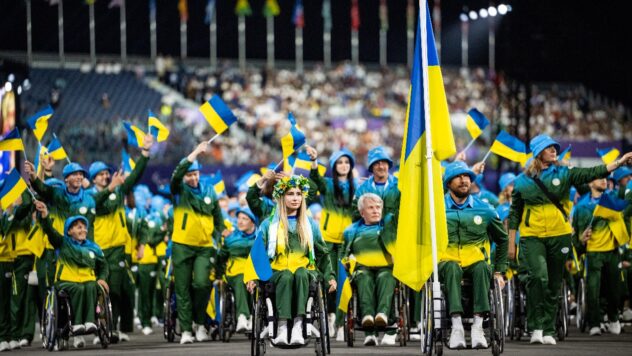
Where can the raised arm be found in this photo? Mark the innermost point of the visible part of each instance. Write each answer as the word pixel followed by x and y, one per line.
pixel 55 238
pixel 137 172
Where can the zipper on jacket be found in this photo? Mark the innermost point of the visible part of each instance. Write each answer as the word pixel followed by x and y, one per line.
pixel 122 219
pixel 184 221
pixel 526 220
pixel 326 221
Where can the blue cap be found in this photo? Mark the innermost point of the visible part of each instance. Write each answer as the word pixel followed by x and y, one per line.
pixel 379 154
pixel 233 205
pixel 455 169
pixel 246 211
pixel 73 167
pixel 96 168
pixel 505 180
pixel 195 166
pixel 621 173
pixel 337 155
pixel 71 220
pixel 157 203
pixel 540 142
pixel 54 182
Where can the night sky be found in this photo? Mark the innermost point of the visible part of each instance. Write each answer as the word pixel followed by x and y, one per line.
pixel 560 40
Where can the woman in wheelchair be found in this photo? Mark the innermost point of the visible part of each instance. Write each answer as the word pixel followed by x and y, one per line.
pixel 471 225
pixel 296 250
pixel 81 265
pixel 231 261
pixel 370 242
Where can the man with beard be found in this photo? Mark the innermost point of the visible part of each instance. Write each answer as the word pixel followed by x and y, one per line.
pixel 472 226
pixel 596 237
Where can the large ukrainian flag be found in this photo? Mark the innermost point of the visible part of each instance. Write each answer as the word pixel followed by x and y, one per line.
pixel 611 208
pixel 413 248
pixel 258 264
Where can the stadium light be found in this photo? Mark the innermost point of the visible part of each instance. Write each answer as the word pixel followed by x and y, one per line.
pixel 473 15
pixel 483 13
pixel 20 90
pixel 492 11
pixel 463 17
pixel 11 77
pixel 8 86
pixel 502 9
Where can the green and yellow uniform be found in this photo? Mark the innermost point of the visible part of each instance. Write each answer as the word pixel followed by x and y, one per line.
pixel 388 191
pixel 231 262
pixel 6 280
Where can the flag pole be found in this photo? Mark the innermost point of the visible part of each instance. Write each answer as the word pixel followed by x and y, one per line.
pixel 213 138
pixel 468 145
pixel 436 286
pixel 487 155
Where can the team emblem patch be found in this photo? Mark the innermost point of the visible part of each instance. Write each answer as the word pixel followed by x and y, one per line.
pixel 91 254
pixel 112 196
pixel 565 250
pixel 152 274
pixel 151 224
pixel 122 264
pixel 207 200
pixel 556 182
pixel 10 218
pixel 8 275
pixel 478 220
pixel 83 210
pixel 134 268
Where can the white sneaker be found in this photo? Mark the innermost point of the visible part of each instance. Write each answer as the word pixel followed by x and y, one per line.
pixel 281 338
pixel 331 320
pixel 457 337
pixel 478 337
pixel 381 320
pixel 388 340
pixel 14 345
pixel 201 334
pixel 78 342
pixel 96 341
pixel 549 340
pixel 367 321
pixel 186 338
pixel 297 332
pixel 370 340
pixel 536 337
pixel 340 334
pixel 4 346
pixel 242 323
pixel 155 321
pixel 78 329
pixel 415 333
pixel 147 330
pixel 595 331
pixel 91 327
pixel 24 343
pixel 137 322
pixel 123 336
pixel 627 315
pixel 613 327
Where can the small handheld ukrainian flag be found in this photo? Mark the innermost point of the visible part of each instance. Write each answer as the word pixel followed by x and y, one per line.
pixel 302 161
pixel 270 166
pixel 41 150
pixel 475 123
pixel 217 114
pixel 258 264
pixel 135 136
pixel 249 178
pixel 12 188
pixel 12 141
pixel 127 162
pixel 218 183
pixel 56 150
pixel 291 142
pixel 565 155
pixel 344 292
pixel 608 155
pixel 39 122
pixel 509 147
pixel 156 128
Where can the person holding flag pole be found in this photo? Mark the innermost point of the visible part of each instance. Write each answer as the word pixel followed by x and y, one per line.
pixel 540 210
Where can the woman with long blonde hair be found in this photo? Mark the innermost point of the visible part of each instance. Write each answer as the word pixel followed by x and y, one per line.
pixel 296 249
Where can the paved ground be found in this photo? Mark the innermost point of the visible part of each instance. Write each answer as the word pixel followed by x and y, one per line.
pixel 576 345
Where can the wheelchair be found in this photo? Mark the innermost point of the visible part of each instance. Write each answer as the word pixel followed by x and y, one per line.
pixel 265 321
pixel 436 323
pixel 400 306
pixel 56 323
pixel 563 318
pixel 226 326
pixel 515 303
pixel 170 312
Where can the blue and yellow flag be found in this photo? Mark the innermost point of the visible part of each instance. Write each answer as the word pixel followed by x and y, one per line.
pixel 12 141
pixel 258 264
pixel 41 151
pixel 39 122
pixel 127 162
pixel 413 249
pixel 608 155
pixel 56 150
pixel 135 136
pixel 611 208
pixel 213 309
pixel 218 183
pixel 291 142
pixel 344 292
pixel 217 114
pixel 565 155
pixel 12 188
pixel 476 122
pixel 156 128
pixel 249 178
pixel 270 166
pixel 510 147
pixel 303 163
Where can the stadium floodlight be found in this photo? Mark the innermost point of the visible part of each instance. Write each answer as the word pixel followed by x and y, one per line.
pixel 20 90
pixel 11 77
pixel 502 9
pixel 473 15
pixel 8 86
pixel 492 11
pixel 483 13
pixel 463 17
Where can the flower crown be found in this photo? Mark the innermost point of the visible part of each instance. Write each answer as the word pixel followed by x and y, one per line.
pixel 286 183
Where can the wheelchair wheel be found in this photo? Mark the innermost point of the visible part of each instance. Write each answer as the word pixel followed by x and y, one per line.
pixel 320 316
pixel 426 324
pixel 561 324
pixel 402 309
pixel 48 325
pixel 497 329
pixel 509 298
pixel 259 317
pixel 349 321
pixel 171 316
pixel 521 316
pixel 104 318
pixel 581 305
pixel 226 307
